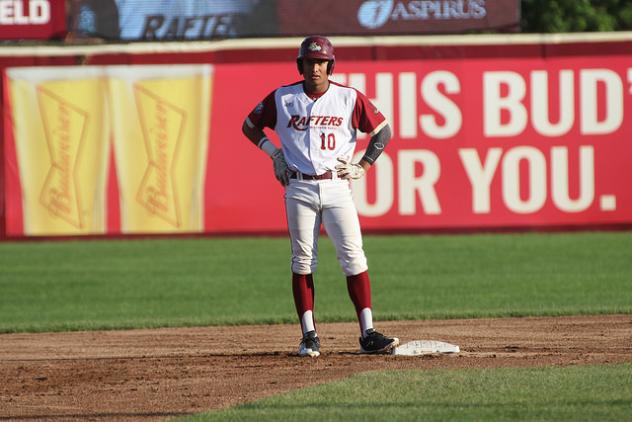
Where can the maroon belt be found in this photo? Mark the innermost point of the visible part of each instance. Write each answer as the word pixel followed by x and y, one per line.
pixel 302 176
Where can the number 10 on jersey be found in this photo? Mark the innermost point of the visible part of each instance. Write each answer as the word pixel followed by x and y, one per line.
pixel 327 141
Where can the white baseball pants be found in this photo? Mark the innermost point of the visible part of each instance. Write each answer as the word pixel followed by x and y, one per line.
pixel 310 203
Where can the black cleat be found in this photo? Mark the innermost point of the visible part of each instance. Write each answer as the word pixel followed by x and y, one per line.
pixel 310 345
pixel 374 342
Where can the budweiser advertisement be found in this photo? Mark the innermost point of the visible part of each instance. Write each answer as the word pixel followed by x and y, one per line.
pixel 32 19
pixel 478 143
pixel 160 123
pixel 103 149
pixel 61 144
pixel 482 143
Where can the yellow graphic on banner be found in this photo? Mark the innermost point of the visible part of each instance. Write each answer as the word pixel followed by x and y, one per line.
pixel 64 128
pixel 61 138
pixel 162 125
pixel 160 117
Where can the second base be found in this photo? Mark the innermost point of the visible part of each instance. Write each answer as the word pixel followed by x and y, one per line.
pixel 425 347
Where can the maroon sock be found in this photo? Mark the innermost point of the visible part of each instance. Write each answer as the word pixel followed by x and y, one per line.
pixel 303 289
pixel 359 287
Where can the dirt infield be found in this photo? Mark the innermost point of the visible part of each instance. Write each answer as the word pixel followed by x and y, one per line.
pixel 148 375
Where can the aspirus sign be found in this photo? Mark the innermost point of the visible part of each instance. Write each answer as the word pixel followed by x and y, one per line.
pixel 376 13
pixel 19 12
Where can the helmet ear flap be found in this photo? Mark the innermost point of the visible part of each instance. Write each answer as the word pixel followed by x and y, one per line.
pixel 299 65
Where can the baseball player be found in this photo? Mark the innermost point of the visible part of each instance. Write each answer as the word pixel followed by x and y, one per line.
pixel 316 120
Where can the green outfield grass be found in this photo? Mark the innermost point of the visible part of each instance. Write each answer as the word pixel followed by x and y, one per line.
pixel 47 286
pixel 581 393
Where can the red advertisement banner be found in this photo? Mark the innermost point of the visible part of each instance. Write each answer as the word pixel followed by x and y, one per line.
pixel 390 17
pixel 487 143
pixel 478 143
pixel 32 19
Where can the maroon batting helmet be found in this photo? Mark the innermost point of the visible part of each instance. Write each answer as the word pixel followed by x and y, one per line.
pixel 316 47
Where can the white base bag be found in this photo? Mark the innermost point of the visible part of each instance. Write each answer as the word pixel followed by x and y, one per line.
pixel 425 347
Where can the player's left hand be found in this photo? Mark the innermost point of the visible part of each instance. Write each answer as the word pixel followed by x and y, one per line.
pixel 347 170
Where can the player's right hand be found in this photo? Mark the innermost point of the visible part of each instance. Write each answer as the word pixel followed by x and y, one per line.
pixel 280 167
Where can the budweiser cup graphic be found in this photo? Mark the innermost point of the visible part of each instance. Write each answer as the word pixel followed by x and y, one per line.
pixel 61 136
pixel 160 118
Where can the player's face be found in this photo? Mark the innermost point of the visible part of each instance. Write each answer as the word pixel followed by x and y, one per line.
pixel 315 74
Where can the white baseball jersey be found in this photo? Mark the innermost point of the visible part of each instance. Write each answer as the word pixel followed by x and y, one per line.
pixel 315 132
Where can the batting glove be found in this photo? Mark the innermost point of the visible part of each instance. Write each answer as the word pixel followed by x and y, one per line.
pixel 280 167
pixel 347 170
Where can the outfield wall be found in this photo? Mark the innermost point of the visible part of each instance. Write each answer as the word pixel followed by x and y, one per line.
pixel 490 132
